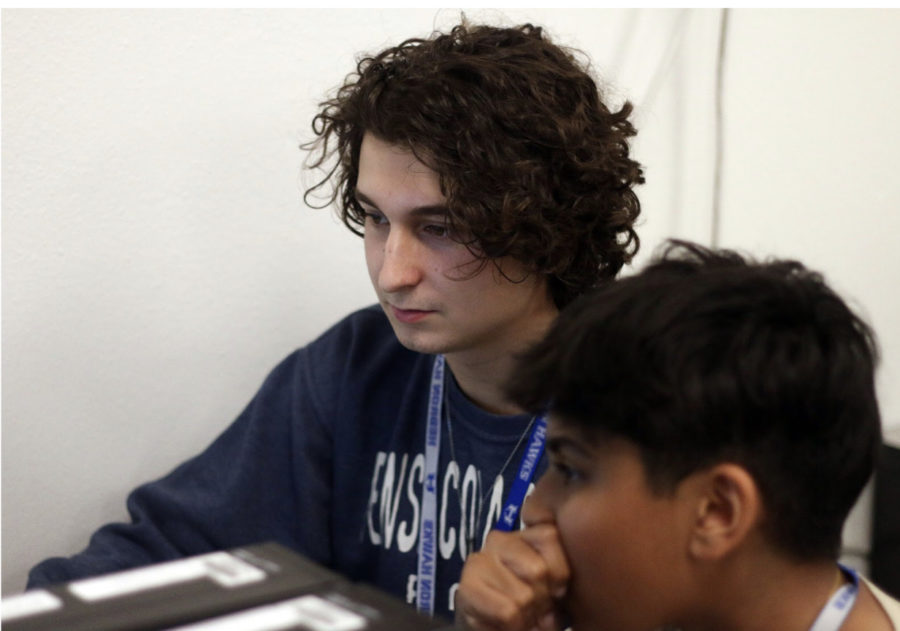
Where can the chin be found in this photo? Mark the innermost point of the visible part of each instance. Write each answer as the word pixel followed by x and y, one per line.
pixel 420 343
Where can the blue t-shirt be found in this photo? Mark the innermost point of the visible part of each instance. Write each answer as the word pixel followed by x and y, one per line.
pixel 327 459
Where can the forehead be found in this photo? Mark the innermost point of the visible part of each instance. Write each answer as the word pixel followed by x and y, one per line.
pixel 391 176
pixel 591 446
pixel 559 428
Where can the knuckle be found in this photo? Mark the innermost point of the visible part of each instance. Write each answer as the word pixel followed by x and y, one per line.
pixel 534 570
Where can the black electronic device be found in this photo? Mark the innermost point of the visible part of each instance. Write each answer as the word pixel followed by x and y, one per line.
pixel 263 587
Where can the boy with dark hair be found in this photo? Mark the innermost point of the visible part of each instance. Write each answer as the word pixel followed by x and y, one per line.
pixel 532 164
pixel 491 185
pixel 712 422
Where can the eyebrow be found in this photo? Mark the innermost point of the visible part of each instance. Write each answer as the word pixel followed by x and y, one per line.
pixel 429 210
pixel 557 444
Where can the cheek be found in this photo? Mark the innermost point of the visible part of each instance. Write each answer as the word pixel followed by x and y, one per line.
pixel 582 532
pixel 619 556
pixel 608 552
pixel 374 254
pixel 457 265
pixel 585 530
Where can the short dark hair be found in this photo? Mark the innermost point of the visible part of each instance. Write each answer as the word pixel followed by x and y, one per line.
pixel 706 357
pixel 532 162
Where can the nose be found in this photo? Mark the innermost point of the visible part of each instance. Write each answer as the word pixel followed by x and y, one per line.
pixel 537 510
pixel 400 264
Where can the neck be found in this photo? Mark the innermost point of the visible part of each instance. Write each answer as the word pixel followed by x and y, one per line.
pixel 781 596
pixel 483 373
pixel 482 381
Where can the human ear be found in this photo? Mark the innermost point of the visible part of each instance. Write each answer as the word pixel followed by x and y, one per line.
pixel 728 505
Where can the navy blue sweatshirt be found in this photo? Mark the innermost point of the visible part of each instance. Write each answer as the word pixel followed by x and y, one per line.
pixel 326 459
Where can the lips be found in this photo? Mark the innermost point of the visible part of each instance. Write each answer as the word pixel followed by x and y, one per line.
pixel 409 316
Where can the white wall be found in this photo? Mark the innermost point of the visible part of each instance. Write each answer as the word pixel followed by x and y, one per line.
pixel 158 259
pixel 813 149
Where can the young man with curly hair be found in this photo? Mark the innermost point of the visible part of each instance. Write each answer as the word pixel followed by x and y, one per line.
pixel 712 422
pixel 491 186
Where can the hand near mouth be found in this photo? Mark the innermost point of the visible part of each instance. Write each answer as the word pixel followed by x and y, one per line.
pixel 515 583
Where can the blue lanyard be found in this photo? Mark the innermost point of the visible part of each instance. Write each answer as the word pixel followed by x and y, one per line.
pixel 523 477
pixel 428 529
pixel 838 606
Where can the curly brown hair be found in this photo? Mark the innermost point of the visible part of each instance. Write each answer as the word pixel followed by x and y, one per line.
pixel 533 164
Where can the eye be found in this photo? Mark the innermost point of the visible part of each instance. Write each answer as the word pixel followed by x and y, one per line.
pixel 437 230
pixel 375 218
pixel 566 473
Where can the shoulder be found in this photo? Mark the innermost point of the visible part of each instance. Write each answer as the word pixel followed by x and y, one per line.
pixel 353 351
pixel 362 333
pixel 889 604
